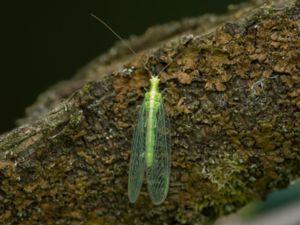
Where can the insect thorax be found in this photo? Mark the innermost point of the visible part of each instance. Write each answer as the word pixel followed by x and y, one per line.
pixel 157 100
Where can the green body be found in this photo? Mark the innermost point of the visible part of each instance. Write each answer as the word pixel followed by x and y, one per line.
pixel 152 102
pixel 150 148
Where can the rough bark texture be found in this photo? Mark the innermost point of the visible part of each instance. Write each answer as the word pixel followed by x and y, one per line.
pixel 233 98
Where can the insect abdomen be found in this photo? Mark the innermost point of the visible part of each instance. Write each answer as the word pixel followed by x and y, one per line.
pixel 152 103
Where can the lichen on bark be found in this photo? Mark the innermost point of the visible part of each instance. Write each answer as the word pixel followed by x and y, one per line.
pixel 232 95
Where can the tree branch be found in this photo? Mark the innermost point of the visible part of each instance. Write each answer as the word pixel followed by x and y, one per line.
pixel 233 100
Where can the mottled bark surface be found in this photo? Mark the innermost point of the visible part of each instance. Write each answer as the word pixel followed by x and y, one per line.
pixel 233 97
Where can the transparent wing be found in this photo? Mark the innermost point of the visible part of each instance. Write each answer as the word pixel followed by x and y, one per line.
pixel 137 157
pixel 158 174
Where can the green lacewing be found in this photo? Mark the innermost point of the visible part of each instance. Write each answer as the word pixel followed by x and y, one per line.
pixel 150 152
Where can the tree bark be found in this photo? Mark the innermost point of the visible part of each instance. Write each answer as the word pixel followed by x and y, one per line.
pixel 232 93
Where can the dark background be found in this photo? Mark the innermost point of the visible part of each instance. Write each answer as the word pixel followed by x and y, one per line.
pixel 43 42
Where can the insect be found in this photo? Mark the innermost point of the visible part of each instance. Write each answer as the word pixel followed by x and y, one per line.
pixel 151 148
pixel 150 152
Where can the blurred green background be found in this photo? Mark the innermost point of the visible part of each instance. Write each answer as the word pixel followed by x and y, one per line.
pixel 43 42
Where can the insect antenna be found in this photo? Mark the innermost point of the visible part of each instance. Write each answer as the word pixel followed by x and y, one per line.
pixel 190 38
pixel 169 63
pixel 115 33
pixel 130 48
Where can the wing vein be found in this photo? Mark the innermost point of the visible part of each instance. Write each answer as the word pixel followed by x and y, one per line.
pixel 158 174
pixel 137 157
